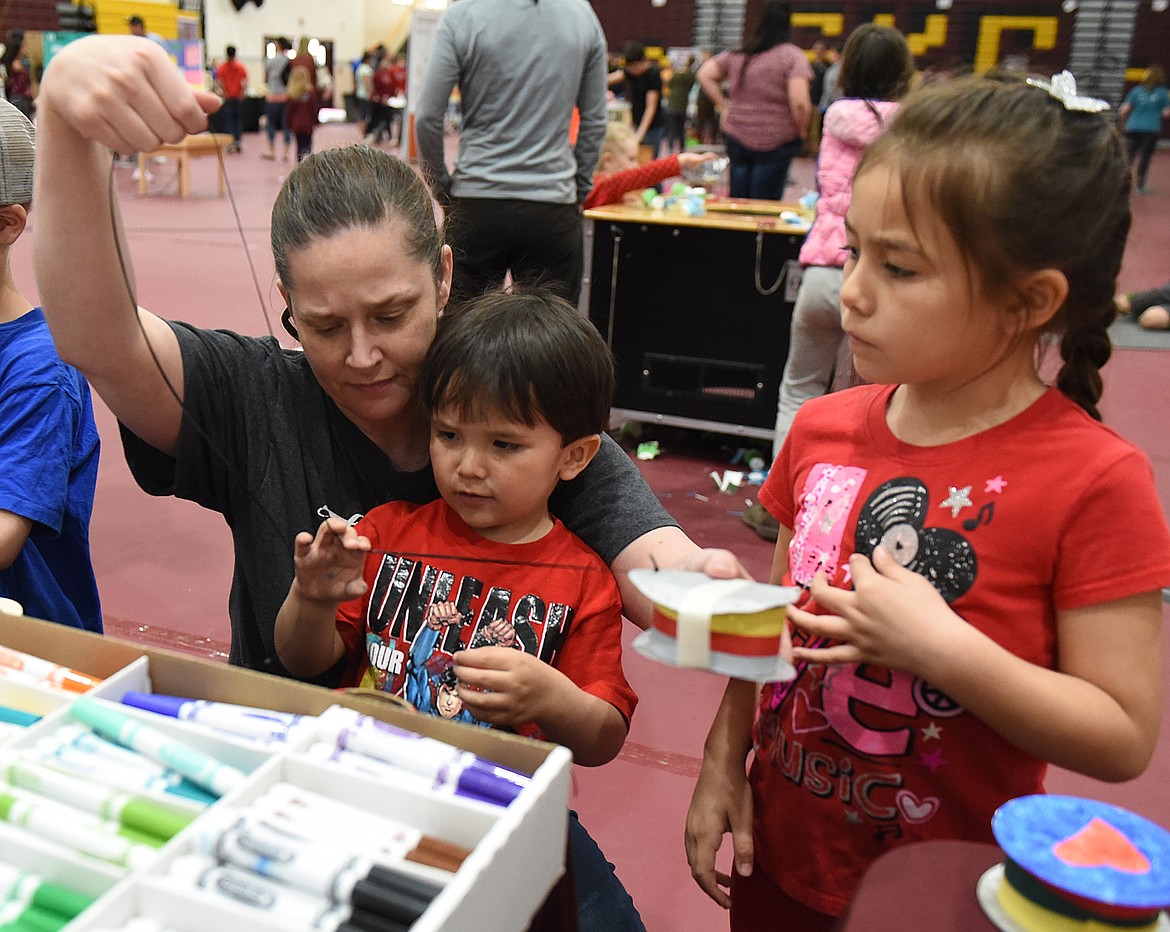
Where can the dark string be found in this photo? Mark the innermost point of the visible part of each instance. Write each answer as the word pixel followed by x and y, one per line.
pixel 194 423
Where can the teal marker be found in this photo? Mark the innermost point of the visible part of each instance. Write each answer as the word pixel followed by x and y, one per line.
pixel 94 764
pixel 197 766
pixel 11 716
pixel 149 820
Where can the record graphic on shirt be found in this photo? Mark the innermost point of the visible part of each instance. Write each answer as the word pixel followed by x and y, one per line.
pixel 894 517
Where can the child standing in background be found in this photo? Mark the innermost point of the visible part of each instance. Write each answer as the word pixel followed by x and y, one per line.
pixel 301 109
pixel 982 559
pixel 489 593
pixel 1145 107
pixel 618 172
pixel 875 73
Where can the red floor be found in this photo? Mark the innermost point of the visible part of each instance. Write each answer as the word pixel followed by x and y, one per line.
pixel 164 566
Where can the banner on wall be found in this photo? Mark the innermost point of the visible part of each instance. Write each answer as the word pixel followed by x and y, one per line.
pixel 186 53
pixel 423 24
pixel 52 41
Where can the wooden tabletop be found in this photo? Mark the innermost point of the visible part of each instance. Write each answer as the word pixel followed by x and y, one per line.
pixel 722 214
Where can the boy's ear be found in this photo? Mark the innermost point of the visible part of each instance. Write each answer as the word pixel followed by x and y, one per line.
pixel 13 218
pixel 578 454
pixel 1040 295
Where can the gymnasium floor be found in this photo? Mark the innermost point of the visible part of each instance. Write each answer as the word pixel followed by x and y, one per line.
pixel 164 566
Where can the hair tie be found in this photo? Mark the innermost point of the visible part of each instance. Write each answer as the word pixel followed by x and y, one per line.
pixel 1063 87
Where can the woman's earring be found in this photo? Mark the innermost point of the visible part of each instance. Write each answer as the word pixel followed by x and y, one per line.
pixel 286 320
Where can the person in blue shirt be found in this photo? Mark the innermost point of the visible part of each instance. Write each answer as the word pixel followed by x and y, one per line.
pixel 48 440
pixel 1142 112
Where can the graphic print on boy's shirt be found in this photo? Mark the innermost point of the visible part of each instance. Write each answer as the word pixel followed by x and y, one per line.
pixel 870 713
pixel 420 615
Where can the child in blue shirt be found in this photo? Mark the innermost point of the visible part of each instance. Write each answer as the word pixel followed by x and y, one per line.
pixel 48 439
pixel 1142 112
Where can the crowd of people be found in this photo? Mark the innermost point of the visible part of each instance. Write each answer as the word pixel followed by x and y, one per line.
pixel 960 227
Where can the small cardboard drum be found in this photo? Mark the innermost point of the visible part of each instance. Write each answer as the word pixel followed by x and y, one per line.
pixel 1078 858
pixel 727 626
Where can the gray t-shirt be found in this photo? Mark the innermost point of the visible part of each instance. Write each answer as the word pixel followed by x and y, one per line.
pixel 263 444
pixel 274 74
pixel 521 67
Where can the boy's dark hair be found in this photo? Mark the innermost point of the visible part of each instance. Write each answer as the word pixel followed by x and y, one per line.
pixel 526 356
pixel 231 51
pixel 876 63
pixel 634 52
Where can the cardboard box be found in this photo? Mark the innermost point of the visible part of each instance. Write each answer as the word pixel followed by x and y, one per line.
pixel 518 854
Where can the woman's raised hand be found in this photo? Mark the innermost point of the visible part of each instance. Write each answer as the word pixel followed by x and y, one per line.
pixel 124 92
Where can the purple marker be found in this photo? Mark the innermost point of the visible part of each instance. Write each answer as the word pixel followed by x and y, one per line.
pixel 435 760
pixel 395 777
pixel 241 720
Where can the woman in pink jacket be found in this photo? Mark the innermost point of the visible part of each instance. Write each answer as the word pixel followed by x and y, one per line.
pixel 876 70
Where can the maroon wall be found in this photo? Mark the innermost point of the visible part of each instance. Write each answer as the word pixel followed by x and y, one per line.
pixel 623 20
pixel 673 24
pixel 27 15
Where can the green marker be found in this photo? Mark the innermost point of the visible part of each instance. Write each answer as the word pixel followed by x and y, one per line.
pixel 19 890
pixel 149 821
pixel 76 830
pixel 32 919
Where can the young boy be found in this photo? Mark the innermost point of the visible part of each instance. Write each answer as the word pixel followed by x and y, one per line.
pixel 618 172
pixel 518 389
pixel 48 440
pixel 483 590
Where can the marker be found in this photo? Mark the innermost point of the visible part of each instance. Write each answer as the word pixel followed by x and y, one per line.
pixel 293 824
pixel 240 720
pixel 431 758
pixel 137 813
pixel 197 766
pixel 11 716
pixel 17 665
pixel 336 874
pixel 77 818
pixel 19 886
pixel 91 756
pixel 395 777
pixel 304 814
pixel 295 907
pixel 70 829
pixel 72 760
pixel 81 738
pixel 18 917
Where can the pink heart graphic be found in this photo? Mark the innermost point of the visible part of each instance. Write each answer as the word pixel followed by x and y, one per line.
pixel 804 717
pixel 914 809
